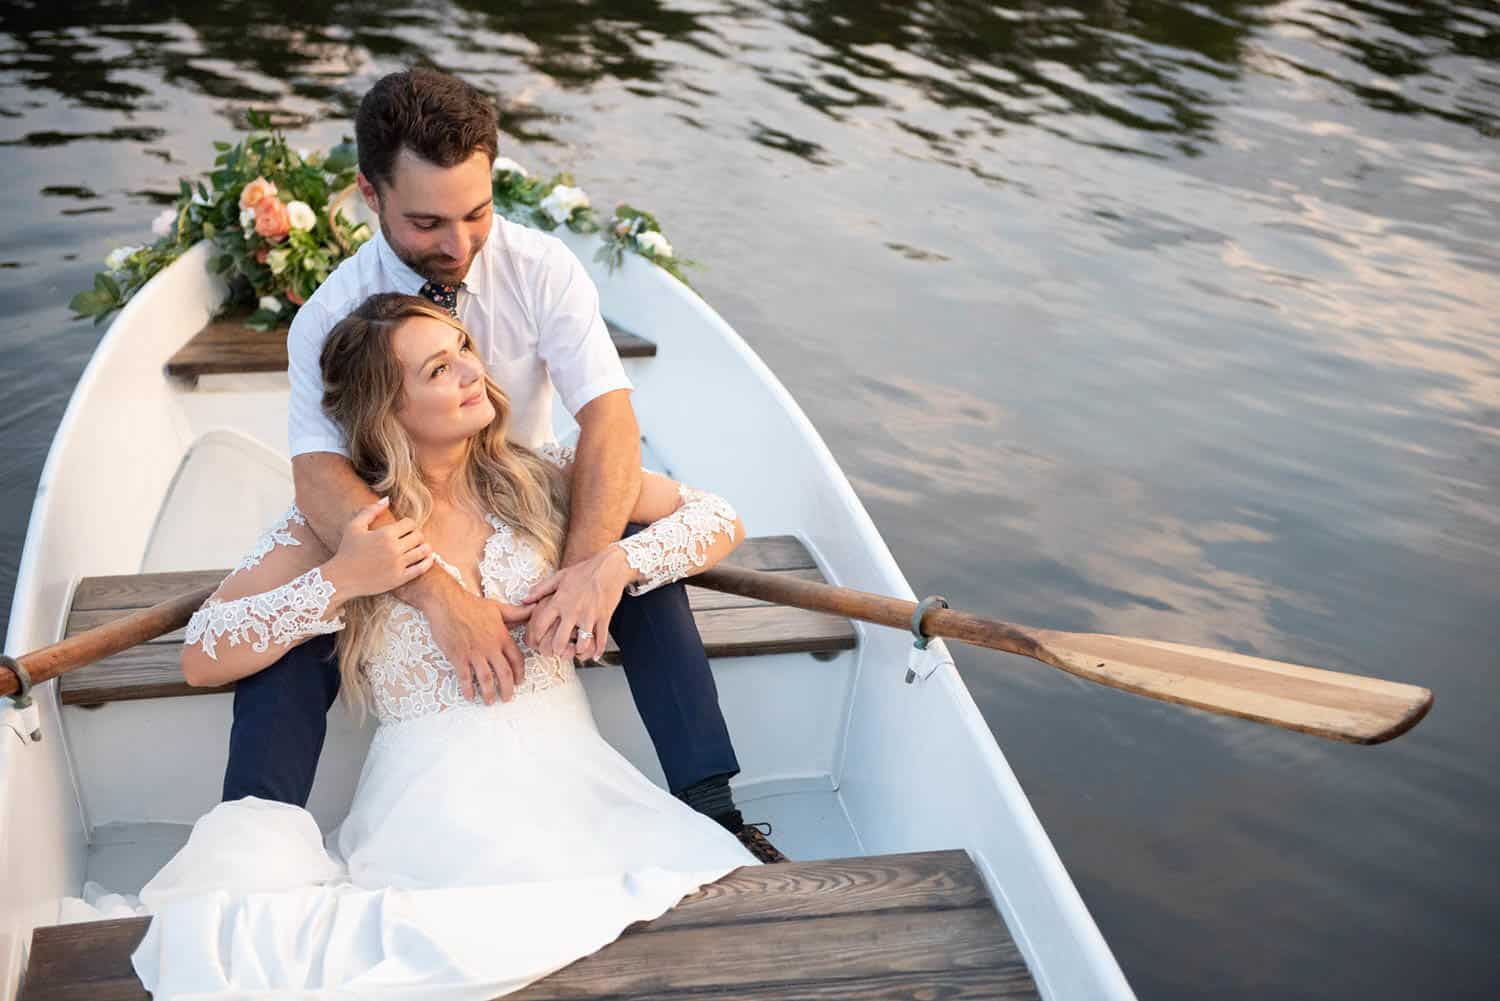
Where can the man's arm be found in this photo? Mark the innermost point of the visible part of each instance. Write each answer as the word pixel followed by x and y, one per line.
pixel 606 475
pixel 606 482
pixel 472 632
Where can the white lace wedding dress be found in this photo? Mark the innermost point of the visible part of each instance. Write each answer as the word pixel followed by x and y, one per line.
pixel 486 846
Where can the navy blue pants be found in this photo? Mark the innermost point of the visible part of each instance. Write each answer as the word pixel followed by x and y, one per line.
pixel 281 712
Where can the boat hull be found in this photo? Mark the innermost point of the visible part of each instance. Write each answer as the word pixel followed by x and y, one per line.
pixel 890 766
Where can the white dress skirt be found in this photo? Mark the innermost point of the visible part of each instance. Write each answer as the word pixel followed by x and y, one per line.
pixel 486 846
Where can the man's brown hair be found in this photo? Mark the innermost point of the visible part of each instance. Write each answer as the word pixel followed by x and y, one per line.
pixel 438 117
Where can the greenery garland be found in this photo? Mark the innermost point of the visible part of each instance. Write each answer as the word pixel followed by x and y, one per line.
pixel 272 215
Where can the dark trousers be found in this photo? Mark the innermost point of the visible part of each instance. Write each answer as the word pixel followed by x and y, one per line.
pixel 281 712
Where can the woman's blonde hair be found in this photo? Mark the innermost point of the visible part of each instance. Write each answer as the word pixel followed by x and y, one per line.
pixel 362 389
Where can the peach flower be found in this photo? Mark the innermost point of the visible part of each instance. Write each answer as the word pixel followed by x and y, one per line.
pixel 255 191
pixel 271 220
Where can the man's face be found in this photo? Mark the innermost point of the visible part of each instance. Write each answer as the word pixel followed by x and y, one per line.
pixel 435 218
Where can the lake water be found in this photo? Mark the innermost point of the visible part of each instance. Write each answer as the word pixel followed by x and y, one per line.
pixel 1171 319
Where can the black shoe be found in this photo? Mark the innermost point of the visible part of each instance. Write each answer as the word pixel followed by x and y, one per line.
pixel 751 836
pixel 755 841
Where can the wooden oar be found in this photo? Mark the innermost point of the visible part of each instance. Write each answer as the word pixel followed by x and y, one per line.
pixel 1346 707
pixel 106 640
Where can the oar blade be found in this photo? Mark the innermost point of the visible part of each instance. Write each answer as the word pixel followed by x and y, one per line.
pixel 1346 707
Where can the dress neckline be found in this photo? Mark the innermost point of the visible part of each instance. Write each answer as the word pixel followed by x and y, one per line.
pixel 497 529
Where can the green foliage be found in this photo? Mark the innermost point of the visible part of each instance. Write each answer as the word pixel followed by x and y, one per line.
pixel 627 233
pixel 287 264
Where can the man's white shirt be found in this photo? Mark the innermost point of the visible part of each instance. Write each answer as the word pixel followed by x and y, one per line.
pixel 528 303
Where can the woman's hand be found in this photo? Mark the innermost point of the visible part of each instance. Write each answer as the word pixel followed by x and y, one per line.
pixel 583 596
pixel 376 560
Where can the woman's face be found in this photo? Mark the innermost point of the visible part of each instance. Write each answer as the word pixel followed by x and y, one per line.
pixel 443 397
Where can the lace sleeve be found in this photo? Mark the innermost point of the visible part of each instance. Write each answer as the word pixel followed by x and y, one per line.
pixel 670 547
pixel 559 455
pixel 287 615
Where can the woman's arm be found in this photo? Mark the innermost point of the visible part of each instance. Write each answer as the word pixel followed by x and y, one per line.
pixel 289 589
pixel 688 531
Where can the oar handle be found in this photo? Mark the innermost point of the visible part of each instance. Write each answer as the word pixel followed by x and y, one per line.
pixel 106 640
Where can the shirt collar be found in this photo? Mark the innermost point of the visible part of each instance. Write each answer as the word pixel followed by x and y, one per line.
pixel 476 281
pixel 403 277
pixel 409 282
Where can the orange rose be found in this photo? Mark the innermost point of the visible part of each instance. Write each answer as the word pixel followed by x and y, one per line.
pixel 271 220
pixel 255 191
pixel 291 293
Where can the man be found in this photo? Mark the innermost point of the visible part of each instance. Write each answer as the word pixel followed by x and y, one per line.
pixel 427 142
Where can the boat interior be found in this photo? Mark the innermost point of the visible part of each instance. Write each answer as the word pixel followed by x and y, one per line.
pixel 128 718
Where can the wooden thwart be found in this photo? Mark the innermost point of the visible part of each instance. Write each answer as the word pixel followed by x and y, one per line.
pixel 226 347
pixel 731 626
pixel 895 926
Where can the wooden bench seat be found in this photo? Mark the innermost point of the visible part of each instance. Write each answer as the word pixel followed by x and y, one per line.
pixel 731 626
pixel 226 346
pixel 887 927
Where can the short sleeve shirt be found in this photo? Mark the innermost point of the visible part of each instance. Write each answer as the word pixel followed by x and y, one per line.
pixel 528 303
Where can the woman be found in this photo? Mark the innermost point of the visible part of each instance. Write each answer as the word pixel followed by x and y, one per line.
pixel 487 845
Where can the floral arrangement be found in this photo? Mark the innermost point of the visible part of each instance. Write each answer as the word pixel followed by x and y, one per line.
pixel 270 212
pixel 547 204
pixel 273 216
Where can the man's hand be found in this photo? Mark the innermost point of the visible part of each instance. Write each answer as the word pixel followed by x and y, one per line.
pixel 582 596
pixel 474 634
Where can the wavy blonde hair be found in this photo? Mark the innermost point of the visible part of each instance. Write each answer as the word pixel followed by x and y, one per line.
pixel 362 389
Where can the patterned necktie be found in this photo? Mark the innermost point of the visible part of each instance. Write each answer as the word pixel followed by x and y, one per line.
pixel 444 295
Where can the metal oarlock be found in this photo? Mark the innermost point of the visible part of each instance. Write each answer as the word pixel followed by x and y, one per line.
pixel 921 662
pixel 31 723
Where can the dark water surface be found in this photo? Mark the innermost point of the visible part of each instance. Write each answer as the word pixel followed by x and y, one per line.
pixel 1172 319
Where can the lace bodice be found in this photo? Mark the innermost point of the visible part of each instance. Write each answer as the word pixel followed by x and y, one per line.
pixel 410 677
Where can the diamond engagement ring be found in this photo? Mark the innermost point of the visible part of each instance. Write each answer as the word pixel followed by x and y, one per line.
pixel 583 634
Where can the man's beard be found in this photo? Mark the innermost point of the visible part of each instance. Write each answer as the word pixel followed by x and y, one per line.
pixel 427 266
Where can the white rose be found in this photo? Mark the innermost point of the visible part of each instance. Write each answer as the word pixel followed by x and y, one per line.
pixel 270 304
pixel 505 165
pixel 247 218
pixel 117 257
pixel 562 201
pixel 278 259
pixel 656 243
pixel 301 216
pixel 164 223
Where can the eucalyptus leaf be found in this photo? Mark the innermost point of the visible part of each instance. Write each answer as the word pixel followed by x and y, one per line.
pixel 341 158
pixel 262 319
pixel 87 303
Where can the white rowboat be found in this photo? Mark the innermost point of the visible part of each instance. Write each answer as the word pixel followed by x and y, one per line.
pixel 838 752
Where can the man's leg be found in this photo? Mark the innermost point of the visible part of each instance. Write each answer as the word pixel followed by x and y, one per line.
pixel 675 694
pixel 672 685
pixel 280 719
